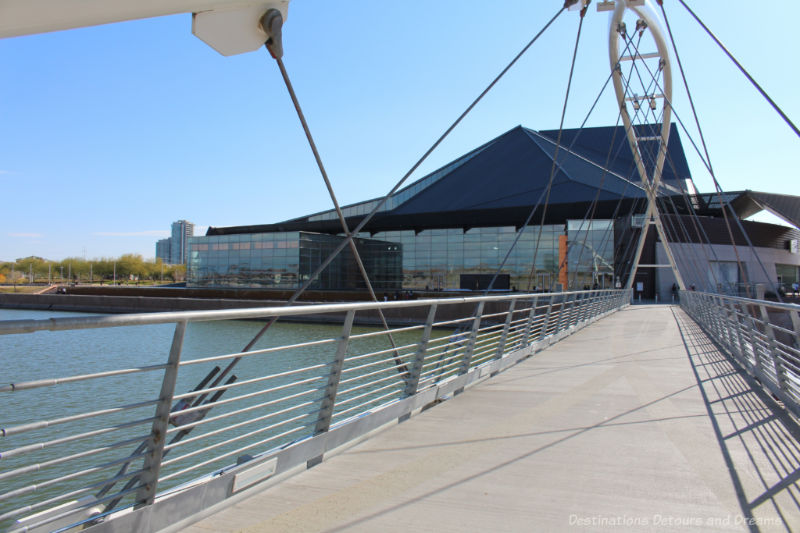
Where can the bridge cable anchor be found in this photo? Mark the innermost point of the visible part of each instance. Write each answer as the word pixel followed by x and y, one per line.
pixel 272 23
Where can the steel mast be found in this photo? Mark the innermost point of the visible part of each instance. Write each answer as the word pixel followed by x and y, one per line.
pixel 647 20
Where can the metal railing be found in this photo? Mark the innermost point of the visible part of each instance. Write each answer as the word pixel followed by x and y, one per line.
pixel 762 336
pixel 70 459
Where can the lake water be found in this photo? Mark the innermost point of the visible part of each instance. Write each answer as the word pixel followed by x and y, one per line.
pixel 43 355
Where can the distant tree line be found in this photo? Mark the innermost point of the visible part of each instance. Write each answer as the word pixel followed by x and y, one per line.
pixel 125 269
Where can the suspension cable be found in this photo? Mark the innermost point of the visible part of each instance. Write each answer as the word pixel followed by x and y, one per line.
pixel 592 208
pixel 671 225
pixel 558 145
pixel 707 157
pixel 313 276
pixel 723 200
pixel 524 225
pixel 695 222
pixel 399 365
pixel 667 101
pixel 739 65
pixel 416 165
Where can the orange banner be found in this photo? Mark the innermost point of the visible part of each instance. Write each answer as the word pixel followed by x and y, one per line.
pixel 562 261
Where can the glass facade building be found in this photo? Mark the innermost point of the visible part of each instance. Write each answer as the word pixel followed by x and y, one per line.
pixel 284 260
pixel 435 259
pixel 590 255
pixel 457 227
pixel 163 251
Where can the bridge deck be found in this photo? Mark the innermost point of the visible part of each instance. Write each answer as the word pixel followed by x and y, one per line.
pixel 636 422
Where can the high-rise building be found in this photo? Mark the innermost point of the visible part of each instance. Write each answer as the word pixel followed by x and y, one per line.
pixel 163 250
pixel 175 249
pixel 179 245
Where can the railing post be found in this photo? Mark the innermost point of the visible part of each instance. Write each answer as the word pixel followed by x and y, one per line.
pixel 529 324
pixel 751 333
pixel 503 336
pixel 562 312
pixel 158 432
pixel 586 308
pixel 704 311
pixel 722 309
pixel 329 400
pixel 575 311
pixel 711 317
pixel 476 322
pixel 591 306
pixel 773 348
pixel 795 316
pixel 719 326
pixel 546 322
pixel 731 329
pixel 562 305
pixel 722 321
pixel 737 325
pixel 419 359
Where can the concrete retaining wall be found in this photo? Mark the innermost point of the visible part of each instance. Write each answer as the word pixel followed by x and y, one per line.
pixel 143 304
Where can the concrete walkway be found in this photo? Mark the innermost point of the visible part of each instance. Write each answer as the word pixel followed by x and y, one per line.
pixel 636 423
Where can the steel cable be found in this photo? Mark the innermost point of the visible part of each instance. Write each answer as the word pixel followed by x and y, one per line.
pixel 738 65
pixel 723 201
pixel 558 146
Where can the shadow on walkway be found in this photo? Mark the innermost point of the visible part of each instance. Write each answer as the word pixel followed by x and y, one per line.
pixel 757 437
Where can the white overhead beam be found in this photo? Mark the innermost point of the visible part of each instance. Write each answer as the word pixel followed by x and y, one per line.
pixel 228 26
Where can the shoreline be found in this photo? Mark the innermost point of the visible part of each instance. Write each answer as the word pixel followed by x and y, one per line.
pixel 105 304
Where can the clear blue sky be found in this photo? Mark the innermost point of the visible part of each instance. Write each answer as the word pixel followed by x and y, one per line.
pixel 110 133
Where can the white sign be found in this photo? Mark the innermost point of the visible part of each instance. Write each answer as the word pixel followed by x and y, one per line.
pixel 640 286
pixel 793 246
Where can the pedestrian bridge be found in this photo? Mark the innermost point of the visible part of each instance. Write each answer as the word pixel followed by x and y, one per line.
pixel 636 422
pixel 528 412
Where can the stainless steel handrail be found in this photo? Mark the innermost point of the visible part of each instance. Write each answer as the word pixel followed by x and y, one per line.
pixel 138 319
pixel 762 337
pixel 343 388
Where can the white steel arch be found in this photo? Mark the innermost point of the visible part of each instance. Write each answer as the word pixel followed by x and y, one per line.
pixel 648 21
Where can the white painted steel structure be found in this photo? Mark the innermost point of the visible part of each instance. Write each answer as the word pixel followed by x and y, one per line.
pixel 229 26
pixel 266 425
pixel 647 23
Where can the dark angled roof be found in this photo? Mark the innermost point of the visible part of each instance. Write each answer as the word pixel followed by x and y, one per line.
pixel 500 182
pixel 783 206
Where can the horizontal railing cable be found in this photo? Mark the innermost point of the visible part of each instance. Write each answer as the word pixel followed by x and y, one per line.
pixel 276 407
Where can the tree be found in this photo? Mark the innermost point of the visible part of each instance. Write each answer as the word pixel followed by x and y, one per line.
pixel 77 269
